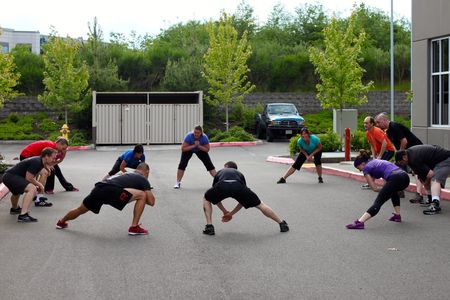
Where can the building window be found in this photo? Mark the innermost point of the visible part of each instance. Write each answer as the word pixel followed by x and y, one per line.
pixel 440 109
pixel 4 47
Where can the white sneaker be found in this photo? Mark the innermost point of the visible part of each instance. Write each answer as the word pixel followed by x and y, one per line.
pixel 365 186
pixel 177 185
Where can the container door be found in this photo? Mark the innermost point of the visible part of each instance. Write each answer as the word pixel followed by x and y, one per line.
pixel 134 130
pixel 187 116
pixel 108 124
pixel 160 123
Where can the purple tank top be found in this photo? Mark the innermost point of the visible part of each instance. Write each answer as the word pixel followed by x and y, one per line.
pixel 378 168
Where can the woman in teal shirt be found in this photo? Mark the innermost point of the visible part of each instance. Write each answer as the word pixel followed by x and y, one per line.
pixel 310 147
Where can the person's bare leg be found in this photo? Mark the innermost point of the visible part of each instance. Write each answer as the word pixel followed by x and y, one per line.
pixel 366 216
pixel 289 172
pixel 75 213
pixel 419 186
pixel 138 207
pixel 15 201
pixel 319 170
pixel 213 172
pixel 268 212
pixel 207 208
pixel 397 210
pixel 435 189
pixel 30 192
pixel 180 174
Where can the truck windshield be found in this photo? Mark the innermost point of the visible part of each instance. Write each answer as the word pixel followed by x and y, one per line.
pixel 282 109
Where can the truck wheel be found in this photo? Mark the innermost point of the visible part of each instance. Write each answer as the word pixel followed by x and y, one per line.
pixel 260 133
pixel 269 135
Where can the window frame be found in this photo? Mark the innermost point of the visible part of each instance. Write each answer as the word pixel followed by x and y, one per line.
pixel 440 75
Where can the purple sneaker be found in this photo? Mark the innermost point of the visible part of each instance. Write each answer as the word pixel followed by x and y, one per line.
pixel 395 218
pixel 355 225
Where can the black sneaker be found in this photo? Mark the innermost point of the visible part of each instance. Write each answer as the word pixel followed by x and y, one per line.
pixel 320 180
pixel 209 230
pixel 425 201
pixel 433 209
pixel 26 218
pixel 40 198
pixel 15 211
pixel 417 198
pixel 43 203
pixel 284 226
pixel 281 180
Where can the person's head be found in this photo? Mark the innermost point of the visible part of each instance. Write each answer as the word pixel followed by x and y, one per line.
pixel 198 131
pixel 305 133
pixel 369 123
pixel 230 164
pixel 48 155
pixel 143 168
pixel 61 144
pixel 361 160
pixel 401 158
pixel 382 121
pixel 138 151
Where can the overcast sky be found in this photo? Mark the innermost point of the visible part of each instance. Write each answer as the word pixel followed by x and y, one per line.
pixel 149 16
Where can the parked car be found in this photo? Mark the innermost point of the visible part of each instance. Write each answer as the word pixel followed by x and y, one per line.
pixel 278 120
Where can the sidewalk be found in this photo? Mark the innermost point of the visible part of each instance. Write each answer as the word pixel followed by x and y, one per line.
pixel 333 164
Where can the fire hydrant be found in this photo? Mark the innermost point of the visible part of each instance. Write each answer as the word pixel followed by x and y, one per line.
pixel 65 131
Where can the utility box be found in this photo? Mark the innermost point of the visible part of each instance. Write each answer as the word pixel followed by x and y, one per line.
pixel 348 119
pixel 145 117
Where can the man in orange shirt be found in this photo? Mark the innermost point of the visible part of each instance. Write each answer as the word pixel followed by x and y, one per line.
pixel 380 144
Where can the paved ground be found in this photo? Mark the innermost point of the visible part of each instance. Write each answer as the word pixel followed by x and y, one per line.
pixel 247 259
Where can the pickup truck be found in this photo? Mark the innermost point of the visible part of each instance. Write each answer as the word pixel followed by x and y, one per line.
pixel 278 120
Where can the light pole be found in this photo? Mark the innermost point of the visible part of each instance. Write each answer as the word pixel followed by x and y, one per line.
pixel 392 60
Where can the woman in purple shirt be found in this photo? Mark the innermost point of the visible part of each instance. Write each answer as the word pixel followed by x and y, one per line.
pixel 396 180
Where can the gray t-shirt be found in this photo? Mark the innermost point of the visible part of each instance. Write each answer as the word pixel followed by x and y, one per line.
pixel 423 158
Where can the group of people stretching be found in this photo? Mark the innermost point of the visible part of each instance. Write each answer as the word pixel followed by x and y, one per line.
pixel 29 177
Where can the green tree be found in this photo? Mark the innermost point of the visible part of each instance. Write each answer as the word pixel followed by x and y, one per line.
pixel 31 69
pixel 338 67
pixel 9 78
pixel 225 67
pixel 65 76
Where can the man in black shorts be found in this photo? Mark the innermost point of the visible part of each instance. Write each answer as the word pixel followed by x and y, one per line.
pixel 402 138
pixel 22 178
pixel 431 163
pixel 229 182
pixel 118 192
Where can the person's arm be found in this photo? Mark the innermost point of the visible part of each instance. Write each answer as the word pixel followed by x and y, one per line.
pixel 204 148
pixel 222 208
pixel 123 165
pixel 403 144
pixel 374 155
pixel 371 183
pixel 185 147
pixel 32 179
pixel 383 148
pixel 150 198
pixel 236 209
pixel 317 150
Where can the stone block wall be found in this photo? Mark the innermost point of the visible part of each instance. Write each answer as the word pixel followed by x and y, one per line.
pixel 24 105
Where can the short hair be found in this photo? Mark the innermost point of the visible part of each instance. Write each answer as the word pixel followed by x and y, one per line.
pixel 382 115
pixel 399 155
pixel 61 140
pixel 138 149
pixel 231 164
pixel 47 151
pixel 143 166
pixel 198 127
pixel 371 119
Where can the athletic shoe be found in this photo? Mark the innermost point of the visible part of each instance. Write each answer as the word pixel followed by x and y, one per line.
pixel 137 230
pixel 281 180
pixel 320 180
pixel 209 230
pixel 43 203
pixel 61 224
pixel 284 226
pixel 73 189
pixel 426 201
pixel 26 218
pixel 433 209
pixel 40 198
pixel 417 198
pixel 365 186
pixel 395 218
pixel 50 192
pixel 355 225
pixel 15 211
pixel 401 194
pixel 177 185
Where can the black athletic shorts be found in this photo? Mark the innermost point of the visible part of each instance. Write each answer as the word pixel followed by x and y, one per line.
pixel 202 155
pixel 301 158
pixel 222 190
pixel 103 193
pixel 15 183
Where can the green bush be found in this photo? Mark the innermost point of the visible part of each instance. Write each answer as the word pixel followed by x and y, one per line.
pixel 330 142
pixel 245 116
pixel 359 141
pixel 235 134
pixel 321 122
pixel 48 125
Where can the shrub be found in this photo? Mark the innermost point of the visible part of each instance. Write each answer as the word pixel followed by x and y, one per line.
pixel 359 141
pixel 330 141
pixel 293 145
pixel 48 126
pixel 321 122
pixel 235 134
pixel 245 116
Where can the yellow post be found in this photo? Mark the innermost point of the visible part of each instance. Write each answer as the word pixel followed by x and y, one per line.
pixel 65 131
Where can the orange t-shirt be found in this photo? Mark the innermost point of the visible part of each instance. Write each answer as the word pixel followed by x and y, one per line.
pixel 375 137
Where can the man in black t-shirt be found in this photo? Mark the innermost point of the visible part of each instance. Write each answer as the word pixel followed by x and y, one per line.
pixel 402 138
pixel 431 163
pixel 118 192
pixel 229 182
pixel 22 179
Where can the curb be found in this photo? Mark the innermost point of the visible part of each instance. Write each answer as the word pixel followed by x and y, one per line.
pixel 77 148
pixel 445 193
pixel 233 144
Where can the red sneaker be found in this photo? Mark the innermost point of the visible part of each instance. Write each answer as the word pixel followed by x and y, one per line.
pixel 61 224
pixel 137 230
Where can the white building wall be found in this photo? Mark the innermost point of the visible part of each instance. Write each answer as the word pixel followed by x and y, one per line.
pixel 9 38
